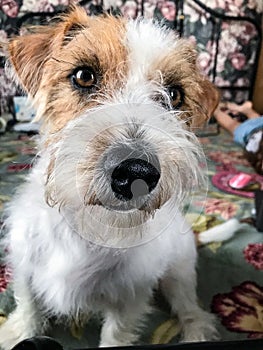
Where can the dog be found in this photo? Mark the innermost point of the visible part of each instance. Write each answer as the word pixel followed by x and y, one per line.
pixel 98 224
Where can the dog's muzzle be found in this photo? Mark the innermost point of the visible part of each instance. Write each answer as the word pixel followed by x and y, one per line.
pixel 134 178
pixel 131 173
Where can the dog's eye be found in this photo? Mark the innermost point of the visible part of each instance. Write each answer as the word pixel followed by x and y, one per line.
pixel 83 78
pixel 176 96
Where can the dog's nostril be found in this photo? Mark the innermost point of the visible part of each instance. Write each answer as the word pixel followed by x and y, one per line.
pixel 134 178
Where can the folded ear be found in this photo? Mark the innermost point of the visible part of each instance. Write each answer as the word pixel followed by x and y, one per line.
pixel 201 96
pixel 206 100
pixel 210 97
pixel 28 53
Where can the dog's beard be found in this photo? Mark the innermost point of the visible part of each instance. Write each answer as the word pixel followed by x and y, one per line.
pixel 83 159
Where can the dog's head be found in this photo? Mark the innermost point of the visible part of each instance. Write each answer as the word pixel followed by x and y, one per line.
pixel 118 101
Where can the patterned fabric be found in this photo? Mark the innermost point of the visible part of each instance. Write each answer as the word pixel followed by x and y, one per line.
pixel 230 280
pixel 235 59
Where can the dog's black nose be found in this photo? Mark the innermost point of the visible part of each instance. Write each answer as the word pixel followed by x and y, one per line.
pixel 134 178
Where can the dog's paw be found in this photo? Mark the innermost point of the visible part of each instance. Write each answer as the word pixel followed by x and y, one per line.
pixel 13 331
pixel 9 336
pixel 200 327
pixel 117 342
pixel 120 338
pixel 114 344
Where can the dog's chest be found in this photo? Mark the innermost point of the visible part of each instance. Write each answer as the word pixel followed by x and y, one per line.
pixel 71 275
pixel 68 274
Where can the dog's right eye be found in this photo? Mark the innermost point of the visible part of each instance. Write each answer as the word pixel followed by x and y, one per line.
pixel 176 96
pixel 83 78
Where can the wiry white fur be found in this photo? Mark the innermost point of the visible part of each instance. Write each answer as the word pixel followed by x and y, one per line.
pixel 172 143
pixel 67 274
pixel 71 259
pixel 220 232
pixel 147 42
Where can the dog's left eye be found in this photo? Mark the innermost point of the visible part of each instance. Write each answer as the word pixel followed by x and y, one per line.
pixel 83 78
pixel 176 96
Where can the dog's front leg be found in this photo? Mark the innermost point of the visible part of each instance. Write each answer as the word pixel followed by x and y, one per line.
pixel 120 326
pixel 24 322
pixel 179 287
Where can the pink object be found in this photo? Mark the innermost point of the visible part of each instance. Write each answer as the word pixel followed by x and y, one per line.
pixel 221 180
pixel 240 180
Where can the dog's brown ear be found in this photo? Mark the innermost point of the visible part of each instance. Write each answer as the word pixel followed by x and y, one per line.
pixel 206 101
pixel 201 96
pixel 210 97
pixel 28 53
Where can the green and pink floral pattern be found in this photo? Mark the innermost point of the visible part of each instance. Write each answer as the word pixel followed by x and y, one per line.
pixel 241 310
pixel 253 254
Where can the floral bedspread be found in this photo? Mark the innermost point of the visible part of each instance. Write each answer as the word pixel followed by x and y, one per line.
pixel 230 274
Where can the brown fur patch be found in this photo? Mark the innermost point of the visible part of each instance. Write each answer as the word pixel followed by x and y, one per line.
pixel 201 97
pixel 44 62
pixel 99 47
pixel 46 58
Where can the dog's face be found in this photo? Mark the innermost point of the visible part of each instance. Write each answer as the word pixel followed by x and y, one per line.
pixel 118 101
